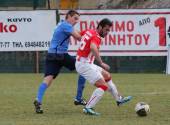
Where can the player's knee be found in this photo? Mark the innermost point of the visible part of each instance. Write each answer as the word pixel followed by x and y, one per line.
pixel 103 87
pixel 108 77
pixel 48 80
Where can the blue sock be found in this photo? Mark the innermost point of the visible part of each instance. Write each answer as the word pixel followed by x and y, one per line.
pixel 80 87
pixel 41 91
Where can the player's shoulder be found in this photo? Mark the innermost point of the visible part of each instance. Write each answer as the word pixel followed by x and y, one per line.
pixel 89 32
pixel 64 23
pixel 93 32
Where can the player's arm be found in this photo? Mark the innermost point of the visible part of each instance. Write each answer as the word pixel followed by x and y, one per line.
pixel 95 52
pixel 76 35
pixel 68 29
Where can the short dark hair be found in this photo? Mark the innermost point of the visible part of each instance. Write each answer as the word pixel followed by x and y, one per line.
pixel 104 22
pixel 72 13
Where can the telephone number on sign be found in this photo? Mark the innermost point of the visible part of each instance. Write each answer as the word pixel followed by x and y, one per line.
pixel 37 44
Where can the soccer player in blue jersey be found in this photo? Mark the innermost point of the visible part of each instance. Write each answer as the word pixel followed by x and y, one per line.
pixel 58 57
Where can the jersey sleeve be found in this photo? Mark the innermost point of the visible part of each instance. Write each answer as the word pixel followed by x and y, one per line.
pixel 68 28
pixel 82 32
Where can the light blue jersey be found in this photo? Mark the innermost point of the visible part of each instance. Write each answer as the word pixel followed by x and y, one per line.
pixel 60 40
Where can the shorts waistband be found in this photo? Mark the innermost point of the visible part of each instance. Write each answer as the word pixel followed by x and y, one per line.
pixel 83 59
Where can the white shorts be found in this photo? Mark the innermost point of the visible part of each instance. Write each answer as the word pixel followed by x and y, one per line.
pixel 90 72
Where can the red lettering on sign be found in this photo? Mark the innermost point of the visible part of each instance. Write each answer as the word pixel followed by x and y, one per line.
pixel 161 23
pixel 130 38
pixel 7 28
pixel 121 40
pixel 83 25
pixel 117 26
pixel 92 25
pixel 146 38
pixel 130 26
pixel 138 39
pixel 120 26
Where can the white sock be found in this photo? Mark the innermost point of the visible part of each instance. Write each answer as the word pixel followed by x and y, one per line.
pixel 113 90
pixel 95 98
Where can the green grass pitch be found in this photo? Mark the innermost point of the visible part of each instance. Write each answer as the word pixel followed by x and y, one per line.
pixel 17 92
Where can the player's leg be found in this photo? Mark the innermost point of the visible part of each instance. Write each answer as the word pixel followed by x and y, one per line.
pixel 41 91
pixel 94 76
pixel 43 86
pixel 52 68
pixel 113 89
pixel 69 62
pixel 80 87
pixel 96 97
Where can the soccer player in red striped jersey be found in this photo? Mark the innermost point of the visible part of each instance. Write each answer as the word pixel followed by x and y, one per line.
pixel 96 75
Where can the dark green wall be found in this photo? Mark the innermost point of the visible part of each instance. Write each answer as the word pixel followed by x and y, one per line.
pixel 22 3
pixel 26 62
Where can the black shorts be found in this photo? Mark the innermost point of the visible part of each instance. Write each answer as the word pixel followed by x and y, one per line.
pixel 54 62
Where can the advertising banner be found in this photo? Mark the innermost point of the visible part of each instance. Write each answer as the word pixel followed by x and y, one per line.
pixel 26 30
pixel 135 32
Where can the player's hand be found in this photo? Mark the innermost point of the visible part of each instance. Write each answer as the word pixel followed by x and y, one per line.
pixel 105 66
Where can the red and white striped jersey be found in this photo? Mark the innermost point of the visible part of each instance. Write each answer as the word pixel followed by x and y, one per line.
pixel 88 37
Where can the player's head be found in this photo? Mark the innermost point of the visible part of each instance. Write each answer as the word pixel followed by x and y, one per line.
pixel 104 26
pixel 72 17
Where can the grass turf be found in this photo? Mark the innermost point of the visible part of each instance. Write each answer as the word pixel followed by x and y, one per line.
pixel 17 92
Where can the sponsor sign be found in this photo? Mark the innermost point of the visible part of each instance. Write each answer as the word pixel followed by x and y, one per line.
pixel 135 32
pixel 26 30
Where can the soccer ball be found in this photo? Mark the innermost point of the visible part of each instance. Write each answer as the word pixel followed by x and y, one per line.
pixel 142 109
